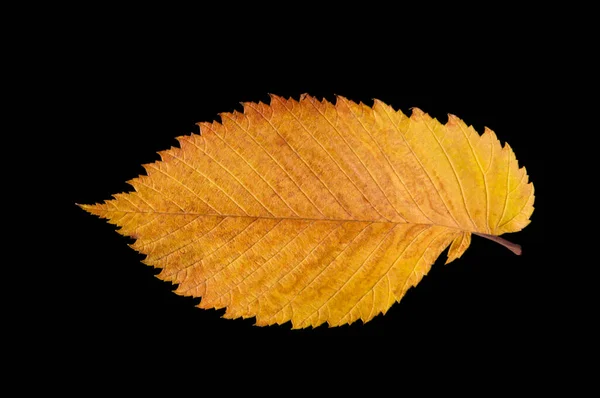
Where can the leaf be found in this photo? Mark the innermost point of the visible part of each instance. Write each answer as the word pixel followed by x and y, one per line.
pixel 313 212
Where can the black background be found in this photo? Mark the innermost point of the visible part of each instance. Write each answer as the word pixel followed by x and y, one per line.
pixel 133 85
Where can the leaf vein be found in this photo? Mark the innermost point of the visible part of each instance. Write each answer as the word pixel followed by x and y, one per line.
pixel 168 234
pixel 136 206
pixel 485 184
pixel 363 165
pixel 302 159
pixel 253 169
pixel 267 261
pixel 215 250
pixel 235 260
pixel 351 276
pixel 295 266
pixel 194 240
pixel 462 192
pixel 147 222
pixel 290 301
pixel 211 181
pixel 519 212
pixel 161 194
pixel 505 196
pixel 420 258
pixel 422 166
pixel 236 179
pixel 388 161
pixel 385 274
pixel 184 185
pixel 277 163
pixel 314 138
pixel 519 184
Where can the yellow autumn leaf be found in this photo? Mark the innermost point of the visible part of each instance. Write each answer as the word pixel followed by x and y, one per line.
pixel 313 212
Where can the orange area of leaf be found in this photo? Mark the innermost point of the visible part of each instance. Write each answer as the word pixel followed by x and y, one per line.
pixel 311 212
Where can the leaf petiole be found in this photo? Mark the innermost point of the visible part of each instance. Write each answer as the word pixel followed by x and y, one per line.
pixel 513 247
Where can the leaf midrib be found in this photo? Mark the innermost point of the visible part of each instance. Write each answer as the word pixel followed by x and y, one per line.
pixel 281 218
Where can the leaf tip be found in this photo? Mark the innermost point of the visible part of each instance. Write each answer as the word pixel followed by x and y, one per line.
pixel 97 209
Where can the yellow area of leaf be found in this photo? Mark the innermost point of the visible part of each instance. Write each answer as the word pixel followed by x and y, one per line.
pixel 314 212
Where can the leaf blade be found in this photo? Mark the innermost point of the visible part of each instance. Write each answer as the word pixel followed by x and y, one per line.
pixel 311 212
